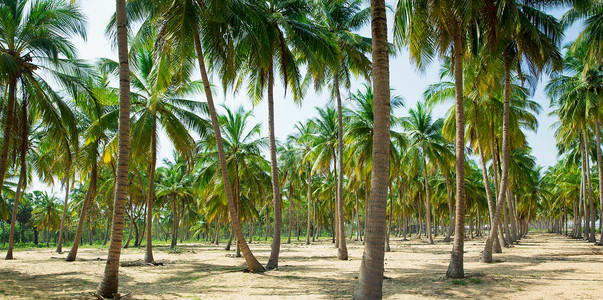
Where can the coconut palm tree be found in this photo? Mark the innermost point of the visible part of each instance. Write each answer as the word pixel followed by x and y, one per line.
pixel 272 31
pixel 370 279
pixel 160 86
pixel 339 18
pixel 46 213
pixel 109 285
pixel 426 135
pixel 522 38
pixel 34 42
pixel 433 28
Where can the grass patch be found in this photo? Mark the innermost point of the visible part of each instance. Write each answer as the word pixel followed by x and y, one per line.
pixel 476 280
pixel 459 282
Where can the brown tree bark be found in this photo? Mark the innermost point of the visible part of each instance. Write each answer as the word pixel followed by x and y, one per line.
pixel 370 279
pixel 109 285
pixel 90 196
pixel 455 269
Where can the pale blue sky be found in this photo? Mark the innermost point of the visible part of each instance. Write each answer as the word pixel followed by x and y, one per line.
pixel 405 80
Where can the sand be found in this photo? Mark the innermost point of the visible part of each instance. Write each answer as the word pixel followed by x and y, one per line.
pixel 541 266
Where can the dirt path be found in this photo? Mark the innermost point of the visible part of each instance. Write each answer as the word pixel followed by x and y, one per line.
pixel 542 266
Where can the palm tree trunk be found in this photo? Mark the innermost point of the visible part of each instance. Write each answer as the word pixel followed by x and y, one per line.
pixel 591 202
pixel 131 224
pixel 217 231
pixel 491 209
pixel 20 188
pixel 290 210
pixel 148 250
pixel 505 204
pixel 90 195
pixel 455 269
pixel 110 282
pixel 342 252
pixel 389 225
pixel 65 206
pixel 309 197
pixel 600 166
pixel 427 203
pixel 358 233
pixel 275 248
pixel 513 229
pixel 370 279
pixel 487 252
pixel 8 123
pixel 252 263
pixel 450 209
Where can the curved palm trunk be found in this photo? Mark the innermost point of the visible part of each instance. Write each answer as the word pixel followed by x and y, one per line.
pixel 309 205
pixel 8 124
pixel 455 269
pixel 62 228
pixel 342 252
pixel 510 207
pixel 370 279
pixel 487 252
pixel 110 282
pixel 427 203
pixel 252 263
pixel 275 248
pixel 600 166
pixel 90 195
pixel 148 251
pixel 496 242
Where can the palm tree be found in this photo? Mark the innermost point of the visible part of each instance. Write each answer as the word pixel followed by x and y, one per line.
pixel 522 38
pixel 46 213
pixel 426 135
pixel 432 28
pixel 34 41
pixel 159 87
pixel 339 18
pixel 370 279
pixel 97 117
pixel 110 283
pixel 179 20
pixel 272 30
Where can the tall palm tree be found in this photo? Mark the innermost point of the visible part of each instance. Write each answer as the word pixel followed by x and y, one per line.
pixel 370 279
pixel 109 285
pixel 33 42
pixel 527 34
pixel 339 18
pixel 432 28
pixel 426 135
pixel 179 20
pixel 160 85
pixel 272 30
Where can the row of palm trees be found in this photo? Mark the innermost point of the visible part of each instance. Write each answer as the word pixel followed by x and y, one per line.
pixel 62 119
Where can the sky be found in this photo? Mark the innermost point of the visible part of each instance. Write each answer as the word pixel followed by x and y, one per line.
pixel 405 81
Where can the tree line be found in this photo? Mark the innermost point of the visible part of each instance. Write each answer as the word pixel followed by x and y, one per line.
pixel 359 167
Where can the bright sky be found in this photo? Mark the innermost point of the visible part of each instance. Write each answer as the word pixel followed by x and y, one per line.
pixel 405 80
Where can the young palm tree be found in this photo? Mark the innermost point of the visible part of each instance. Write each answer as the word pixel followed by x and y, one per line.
pixel 109 285
pixel 370 279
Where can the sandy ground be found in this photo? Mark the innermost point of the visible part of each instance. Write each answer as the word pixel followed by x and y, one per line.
pixel 542 266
